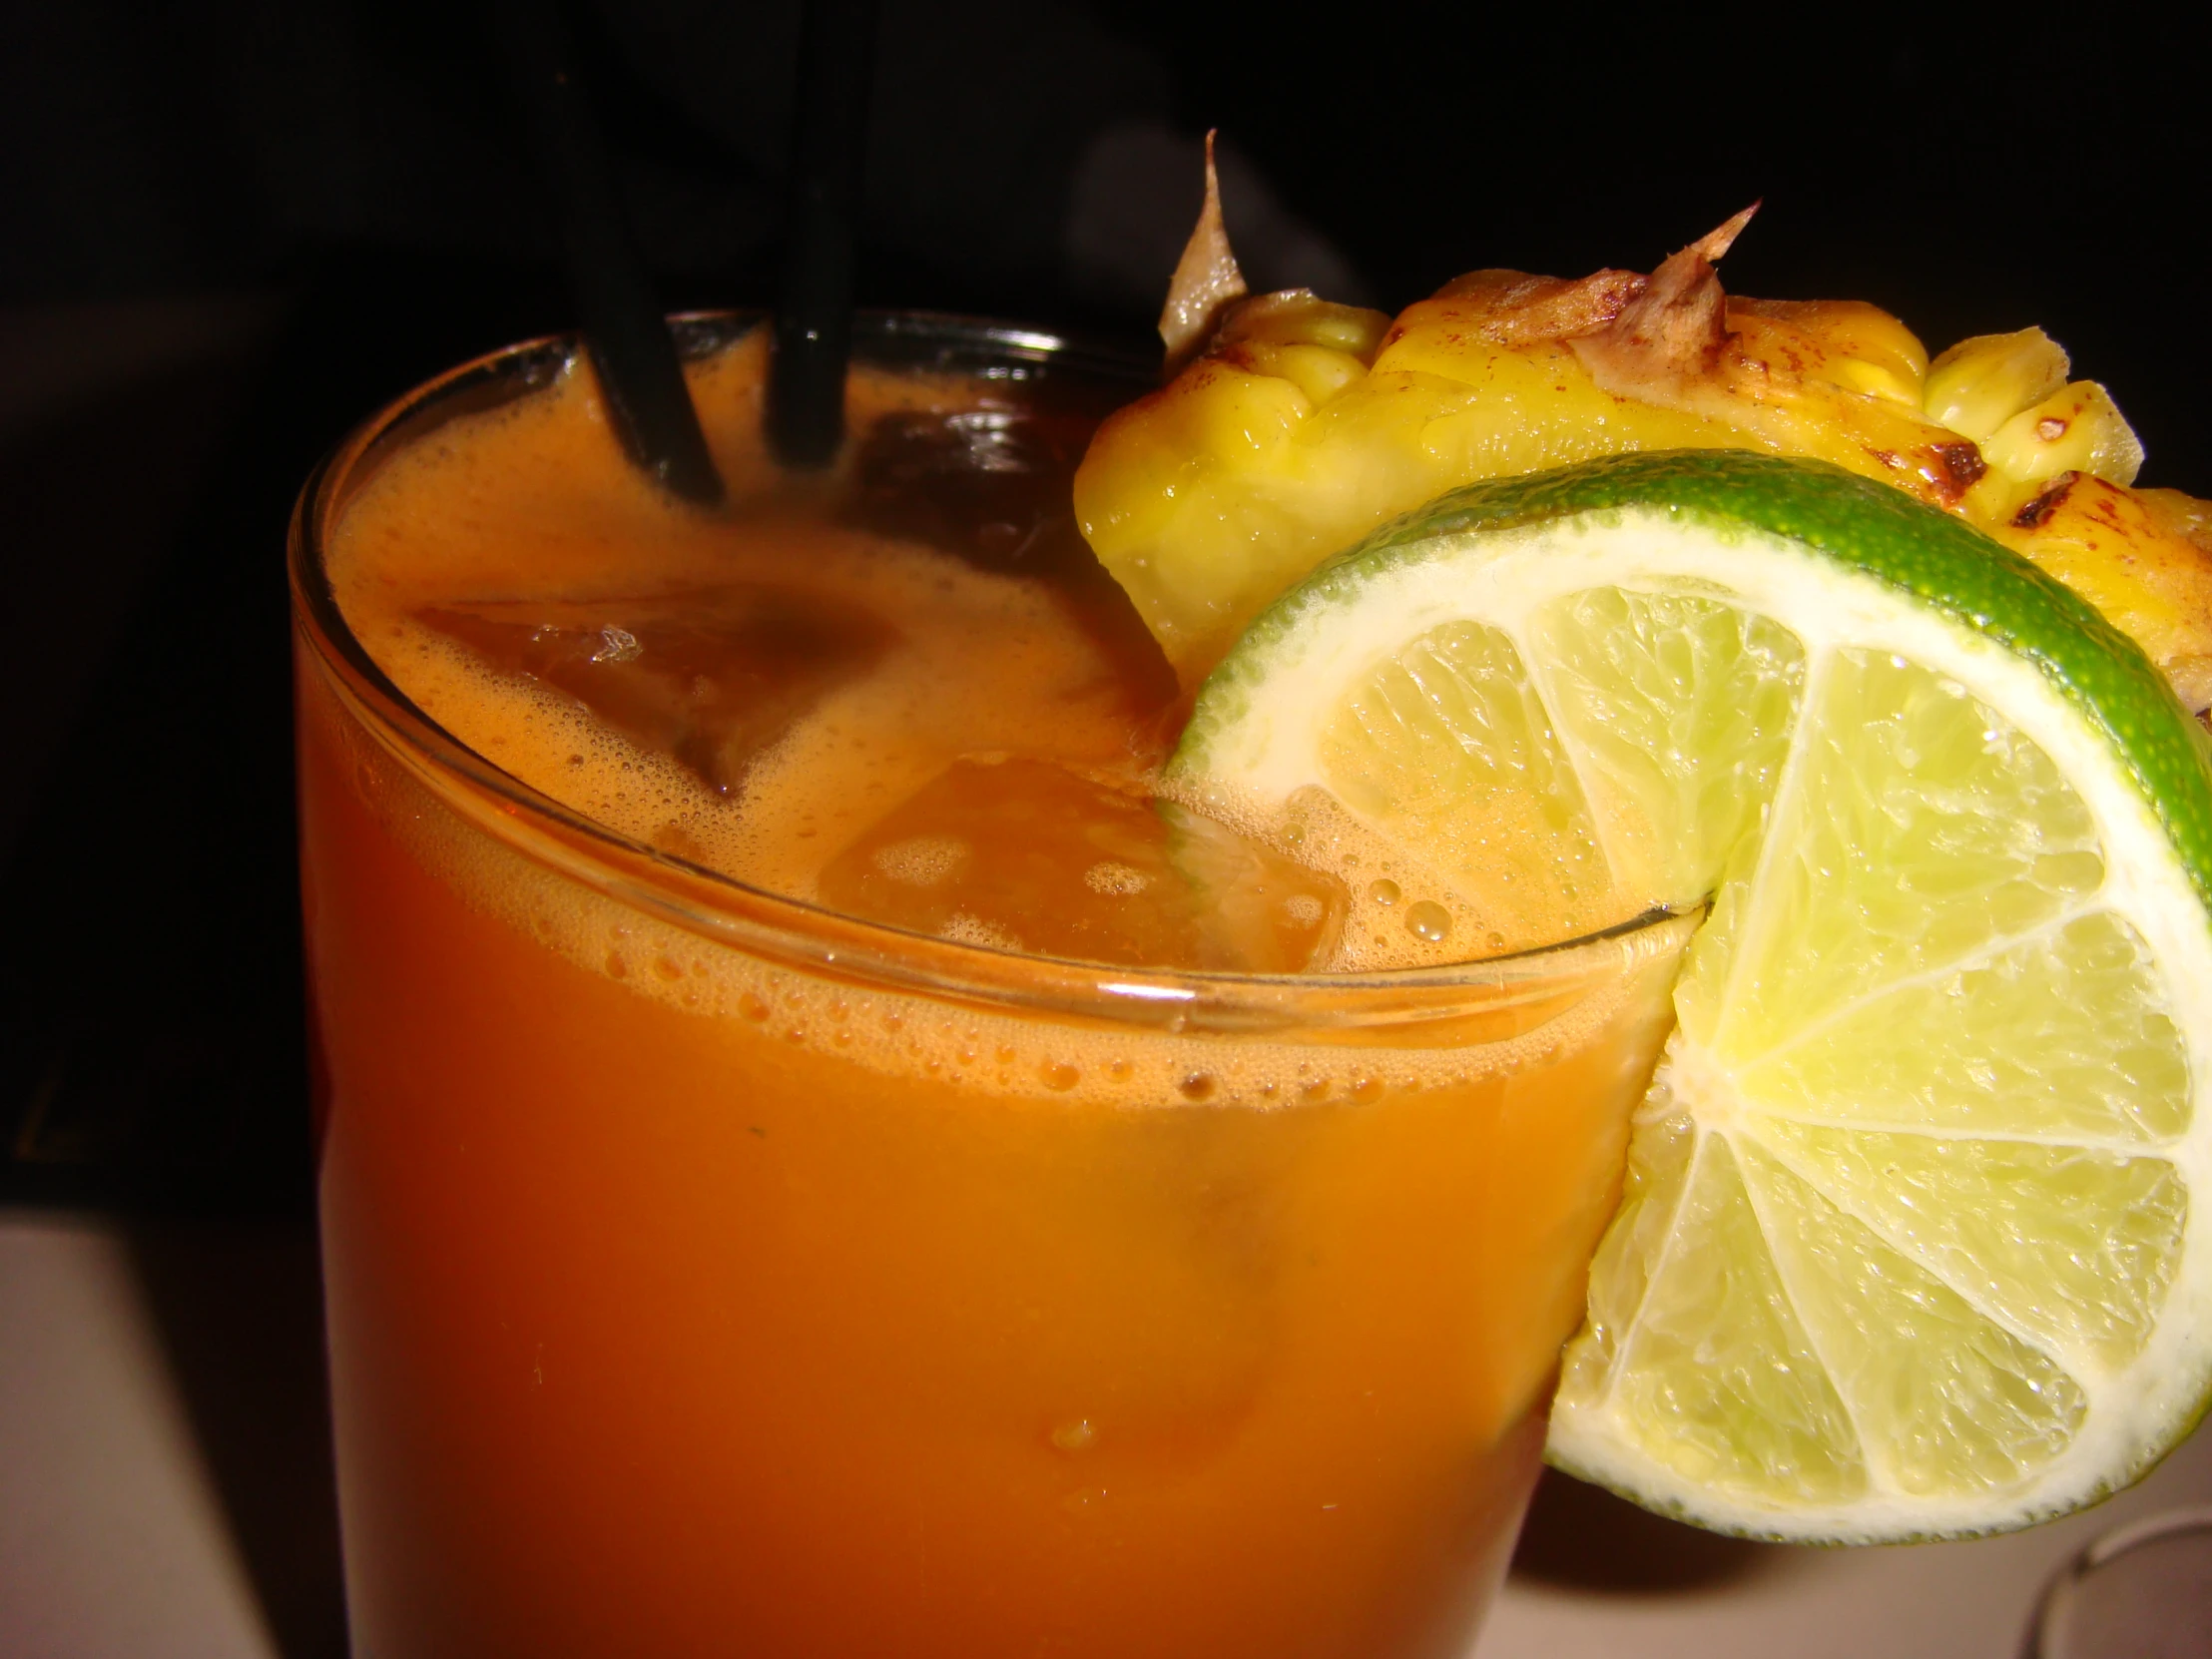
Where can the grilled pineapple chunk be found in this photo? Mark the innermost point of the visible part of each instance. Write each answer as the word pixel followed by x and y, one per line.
pixel 1299 425
pixel 1983 382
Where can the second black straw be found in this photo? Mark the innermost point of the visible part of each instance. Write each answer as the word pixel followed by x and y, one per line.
pixel 814 316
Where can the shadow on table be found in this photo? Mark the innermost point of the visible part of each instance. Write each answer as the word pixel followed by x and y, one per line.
pixel 239 1306
pixel 1583 1539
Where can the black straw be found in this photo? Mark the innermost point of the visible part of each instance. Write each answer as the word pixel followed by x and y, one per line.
pixel 624 331
pixel 814 324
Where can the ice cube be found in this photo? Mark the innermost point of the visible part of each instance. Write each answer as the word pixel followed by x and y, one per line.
pixel 991 485
pixel 1027 854
pixel 711 678
pixel 994 487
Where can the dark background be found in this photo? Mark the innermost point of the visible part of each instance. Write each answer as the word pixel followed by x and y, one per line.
pixel 229 230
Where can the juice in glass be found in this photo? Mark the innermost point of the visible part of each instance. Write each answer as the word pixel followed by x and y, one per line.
pixel 814 1159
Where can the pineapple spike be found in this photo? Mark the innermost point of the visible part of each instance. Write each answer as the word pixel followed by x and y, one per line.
pixel 1207 280
pixel 1670 334
pixel 1711 245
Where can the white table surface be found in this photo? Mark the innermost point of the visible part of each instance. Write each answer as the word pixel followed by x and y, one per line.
pixel 163 1492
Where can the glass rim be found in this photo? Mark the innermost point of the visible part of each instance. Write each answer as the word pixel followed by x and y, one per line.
pixel 811 937
pixel 2047 1625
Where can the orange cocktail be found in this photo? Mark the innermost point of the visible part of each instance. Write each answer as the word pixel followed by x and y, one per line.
pixel 814 1161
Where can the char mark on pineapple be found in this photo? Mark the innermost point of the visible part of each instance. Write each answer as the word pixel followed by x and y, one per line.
pixel 1962 467
pixel 2036 512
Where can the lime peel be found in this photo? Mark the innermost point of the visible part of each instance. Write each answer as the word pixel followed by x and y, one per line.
pixel 1932 558
pixel 1820 1313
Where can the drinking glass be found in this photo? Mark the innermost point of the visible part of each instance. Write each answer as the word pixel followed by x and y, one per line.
pixel 2142 1591
pixel 711 1273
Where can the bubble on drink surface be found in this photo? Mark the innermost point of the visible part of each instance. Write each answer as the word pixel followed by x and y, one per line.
pixel 617 645
pixel 1060 1076
pixel 1302 910
pixel 1335 842
pixel 1428 920
pixel 963 928
pixel 1084 868
pixel 1115 881
pixel 923 861
pixel 1080 1435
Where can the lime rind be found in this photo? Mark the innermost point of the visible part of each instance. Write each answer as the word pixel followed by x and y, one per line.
pixel 1935 560
pixel 1969 1410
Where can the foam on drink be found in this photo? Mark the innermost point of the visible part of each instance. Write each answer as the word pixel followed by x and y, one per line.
pixel 903 690
pixel 975 1051
pixel 532 512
